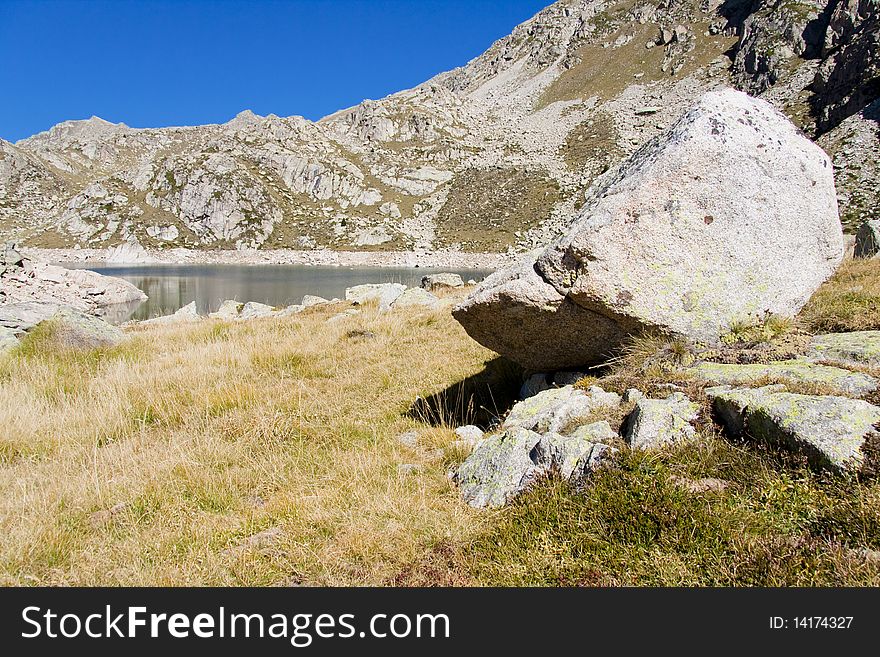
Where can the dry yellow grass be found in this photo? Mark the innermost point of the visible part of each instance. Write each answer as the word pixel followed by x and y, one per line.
pixel 849 301
pixel 251 453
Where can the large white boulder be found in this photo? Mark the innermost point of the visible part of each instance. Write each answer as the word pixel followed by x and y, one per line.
pixel 730 215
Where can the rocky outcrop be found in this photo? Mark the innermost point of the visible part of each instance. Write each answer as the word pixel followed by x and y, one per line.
pixel 836 433
pixel 692 234
pixel 24 281
pixel 849 76
pixel 799 371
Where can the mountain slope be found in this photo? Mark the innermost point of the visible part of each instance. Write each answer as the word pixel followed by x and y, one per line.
pixel 493 155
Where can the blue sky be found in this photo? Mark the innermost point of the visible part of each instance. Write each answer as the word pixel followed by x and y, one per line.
pixel 186 62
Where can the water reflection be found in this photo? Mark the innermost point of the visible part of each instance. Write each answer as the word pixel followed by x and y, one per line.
pixel 171 287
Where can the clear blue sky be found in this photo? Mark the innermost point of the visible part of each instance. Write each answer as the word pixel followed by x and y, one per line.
pixel 186 62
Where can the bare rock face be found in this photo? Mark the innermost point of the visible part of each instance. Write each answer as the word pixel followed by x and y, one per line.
pixel 730 215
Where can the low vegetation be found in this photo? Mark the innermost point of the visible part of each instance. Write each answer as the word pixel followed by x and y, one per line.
pixel 300 451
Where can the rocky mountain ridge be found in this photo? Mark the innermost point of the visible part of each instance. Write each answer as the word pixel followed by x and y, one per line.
pixel 492 156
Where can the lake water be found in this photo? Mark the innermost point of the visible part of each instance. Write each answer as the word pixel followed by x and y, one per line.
pixel 171 287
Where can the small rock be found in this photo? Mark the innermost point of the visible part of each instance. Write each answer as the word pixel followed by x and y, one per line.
pixel 533 385
pixel 254 310
pixel 8 341
pixel 409 439
pixel 441 281
pixel 469 435
pixel 384 294
pixel 555 409
pixel 295 309
pixel 310 300
pixel 345 314
pixel 499 469
pixel 416 297
pixel 408 469
pixel 632 396
pixel 868 239
pixel 228 310
pixel 188 313
pixel 505 465
pixel 655 423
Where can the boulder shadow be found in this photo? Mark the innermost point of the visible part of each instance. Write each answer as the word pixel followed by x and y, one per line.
pixel 479 399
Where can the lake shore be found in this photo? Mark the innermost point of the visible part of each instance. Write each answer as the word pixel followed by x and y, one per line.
pixel 433 259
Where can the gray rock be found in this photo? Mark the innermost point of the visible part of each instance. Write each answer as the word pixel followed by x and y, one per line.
pixel 310 300
pixel 441 281
pixel 72 329
pixel 8 341
pixel 575 456
pixel 867 239
pixel 851 383
pixel 692 234
pixel 22 317
pixel 557 409
pixel 416 297
pixel 254 310
pixel 505 465
pixel 10 256
pixel 228 310
pixel 533 385
pixel 595 432
pixel 384 294
pixel 632 396
pixel 860 348
pixel 189 313
pixel 560 454
pixel 832 432
pixel 409 439
pixel 499 469
pixel 469 435
pixel 656 423
pixel 295 309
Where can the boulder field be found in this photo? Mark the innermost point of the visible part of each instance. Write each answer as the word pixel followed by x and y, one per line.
pixel 730 216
